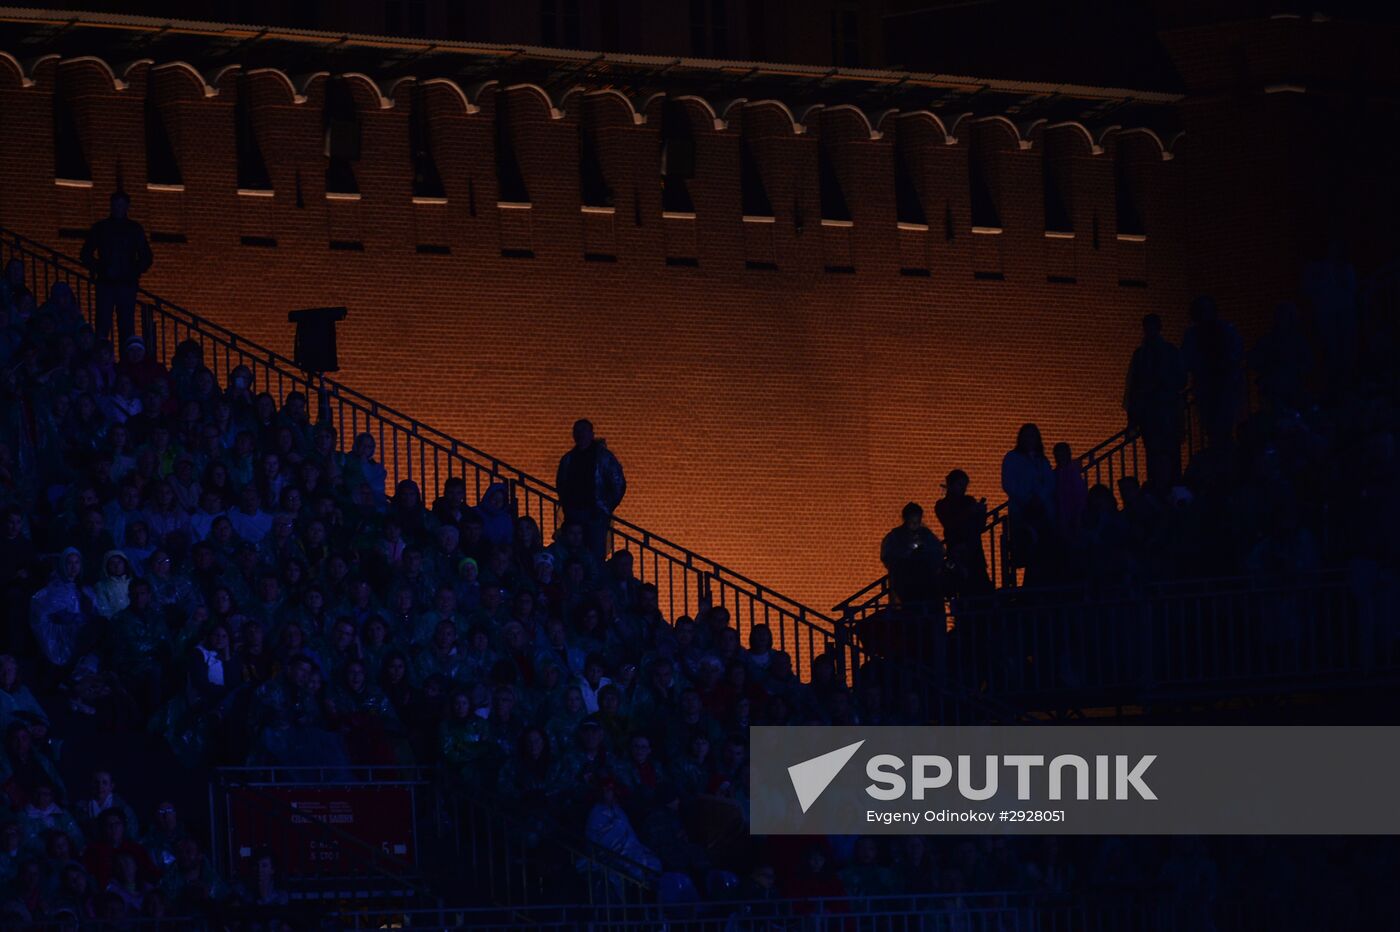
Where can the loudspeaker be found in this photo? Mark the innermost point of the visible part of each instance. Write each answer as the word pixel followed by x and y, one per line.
pixel 314 349
pixel 343 139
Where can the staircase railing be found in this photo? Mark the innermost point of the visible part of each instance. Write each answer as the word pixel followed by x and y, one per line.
pixel 686 581
pixel 1118 456
pixel 1195 641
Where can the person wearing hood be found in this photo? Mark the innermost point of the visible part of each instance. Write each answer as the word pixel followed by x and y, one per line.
pixel 109 593
pixel 60 611
pixel 497 521
pixel 141 368
pixel 591 485
pixel 67 315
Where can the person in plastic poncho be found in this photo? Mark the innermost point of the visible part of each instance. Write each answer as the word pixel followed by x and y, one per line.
pixel 110 592
pixel 609 827
pixel 15 698
pixel 60 611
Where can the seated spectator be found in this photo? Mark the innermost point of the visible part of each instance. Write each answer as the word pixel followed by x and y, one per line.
pixel 109 593
pixel 163 836
pixel 497 521
pixel 100 856
pixel 191 886
pixel 72 896
pixel 104 798
pixel 16 701
pixel 138 366
pixel 60 612
pixel 663 832
pixel 11 848
pixel 126 883
pixel 24 897
pixel 24 769
pixel 865 875
pixel 43 815
pixel 464 743
pixel 262 889
pixel 771 668
pixel 530 774
pixel 816 880
pixel 609 828
pixel 249 521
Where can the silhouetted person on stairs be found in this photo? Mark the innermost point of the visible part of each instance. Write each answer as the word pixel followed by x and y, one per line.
pixel 914 558
pixel 591 486
pixel 117 254
pixel 963 518
pixel 1153 400
pixel 1214 355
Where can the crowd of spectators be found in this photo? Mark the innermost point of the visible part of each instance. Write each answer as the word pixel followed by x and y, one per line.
pixel 1304 479
pixel 204 564
pixel 198 562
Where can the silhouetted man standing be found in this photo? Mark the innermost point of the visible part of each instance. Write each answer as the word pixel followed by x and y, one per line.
pixel 1153 400
pixel 591 486
pixel 914 558
pixel 1213 354
pixel 964 518
pixel 117 254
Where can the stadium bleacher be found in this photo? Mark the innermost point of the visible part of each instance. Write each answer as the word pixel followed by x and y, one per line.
pixel 251 673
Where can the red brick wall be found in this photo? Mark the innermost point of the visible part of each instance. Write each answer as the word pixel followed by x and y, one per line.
pixel 774 420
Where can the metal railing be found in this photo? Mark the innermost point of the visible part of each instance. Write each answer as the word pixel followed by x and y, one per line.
pixel 507 860
pixel 1065 649
pixel 974 912
pixel 453 838
pixel 953 912
pixel 411 450
pixel 1118 456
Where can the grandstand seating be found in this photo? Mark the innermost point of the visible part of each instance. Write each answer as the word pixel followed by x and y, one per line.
pixel 368 802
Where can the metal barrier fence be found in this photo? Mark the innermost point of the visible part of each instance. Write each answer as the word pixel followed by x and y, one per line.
pixel 346 833
pixel 976 912
pixel 335 833
pixel 1075 647
pixel 411 450
pixel 508 860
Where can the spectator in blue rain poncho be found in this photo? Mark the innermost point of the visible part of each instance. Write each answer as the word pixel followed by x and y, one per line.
pixel 59 612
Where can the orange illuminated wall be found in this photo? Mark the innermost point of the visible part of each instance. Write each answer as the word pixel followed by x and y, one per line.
pixel 776 390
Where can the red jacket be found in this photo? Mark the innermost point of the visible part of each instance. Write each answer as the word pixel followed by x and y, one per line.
pixel 100 859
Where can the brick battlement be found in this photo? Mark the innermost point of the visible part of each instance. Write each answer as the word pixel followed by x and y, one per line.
pixel 777 385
